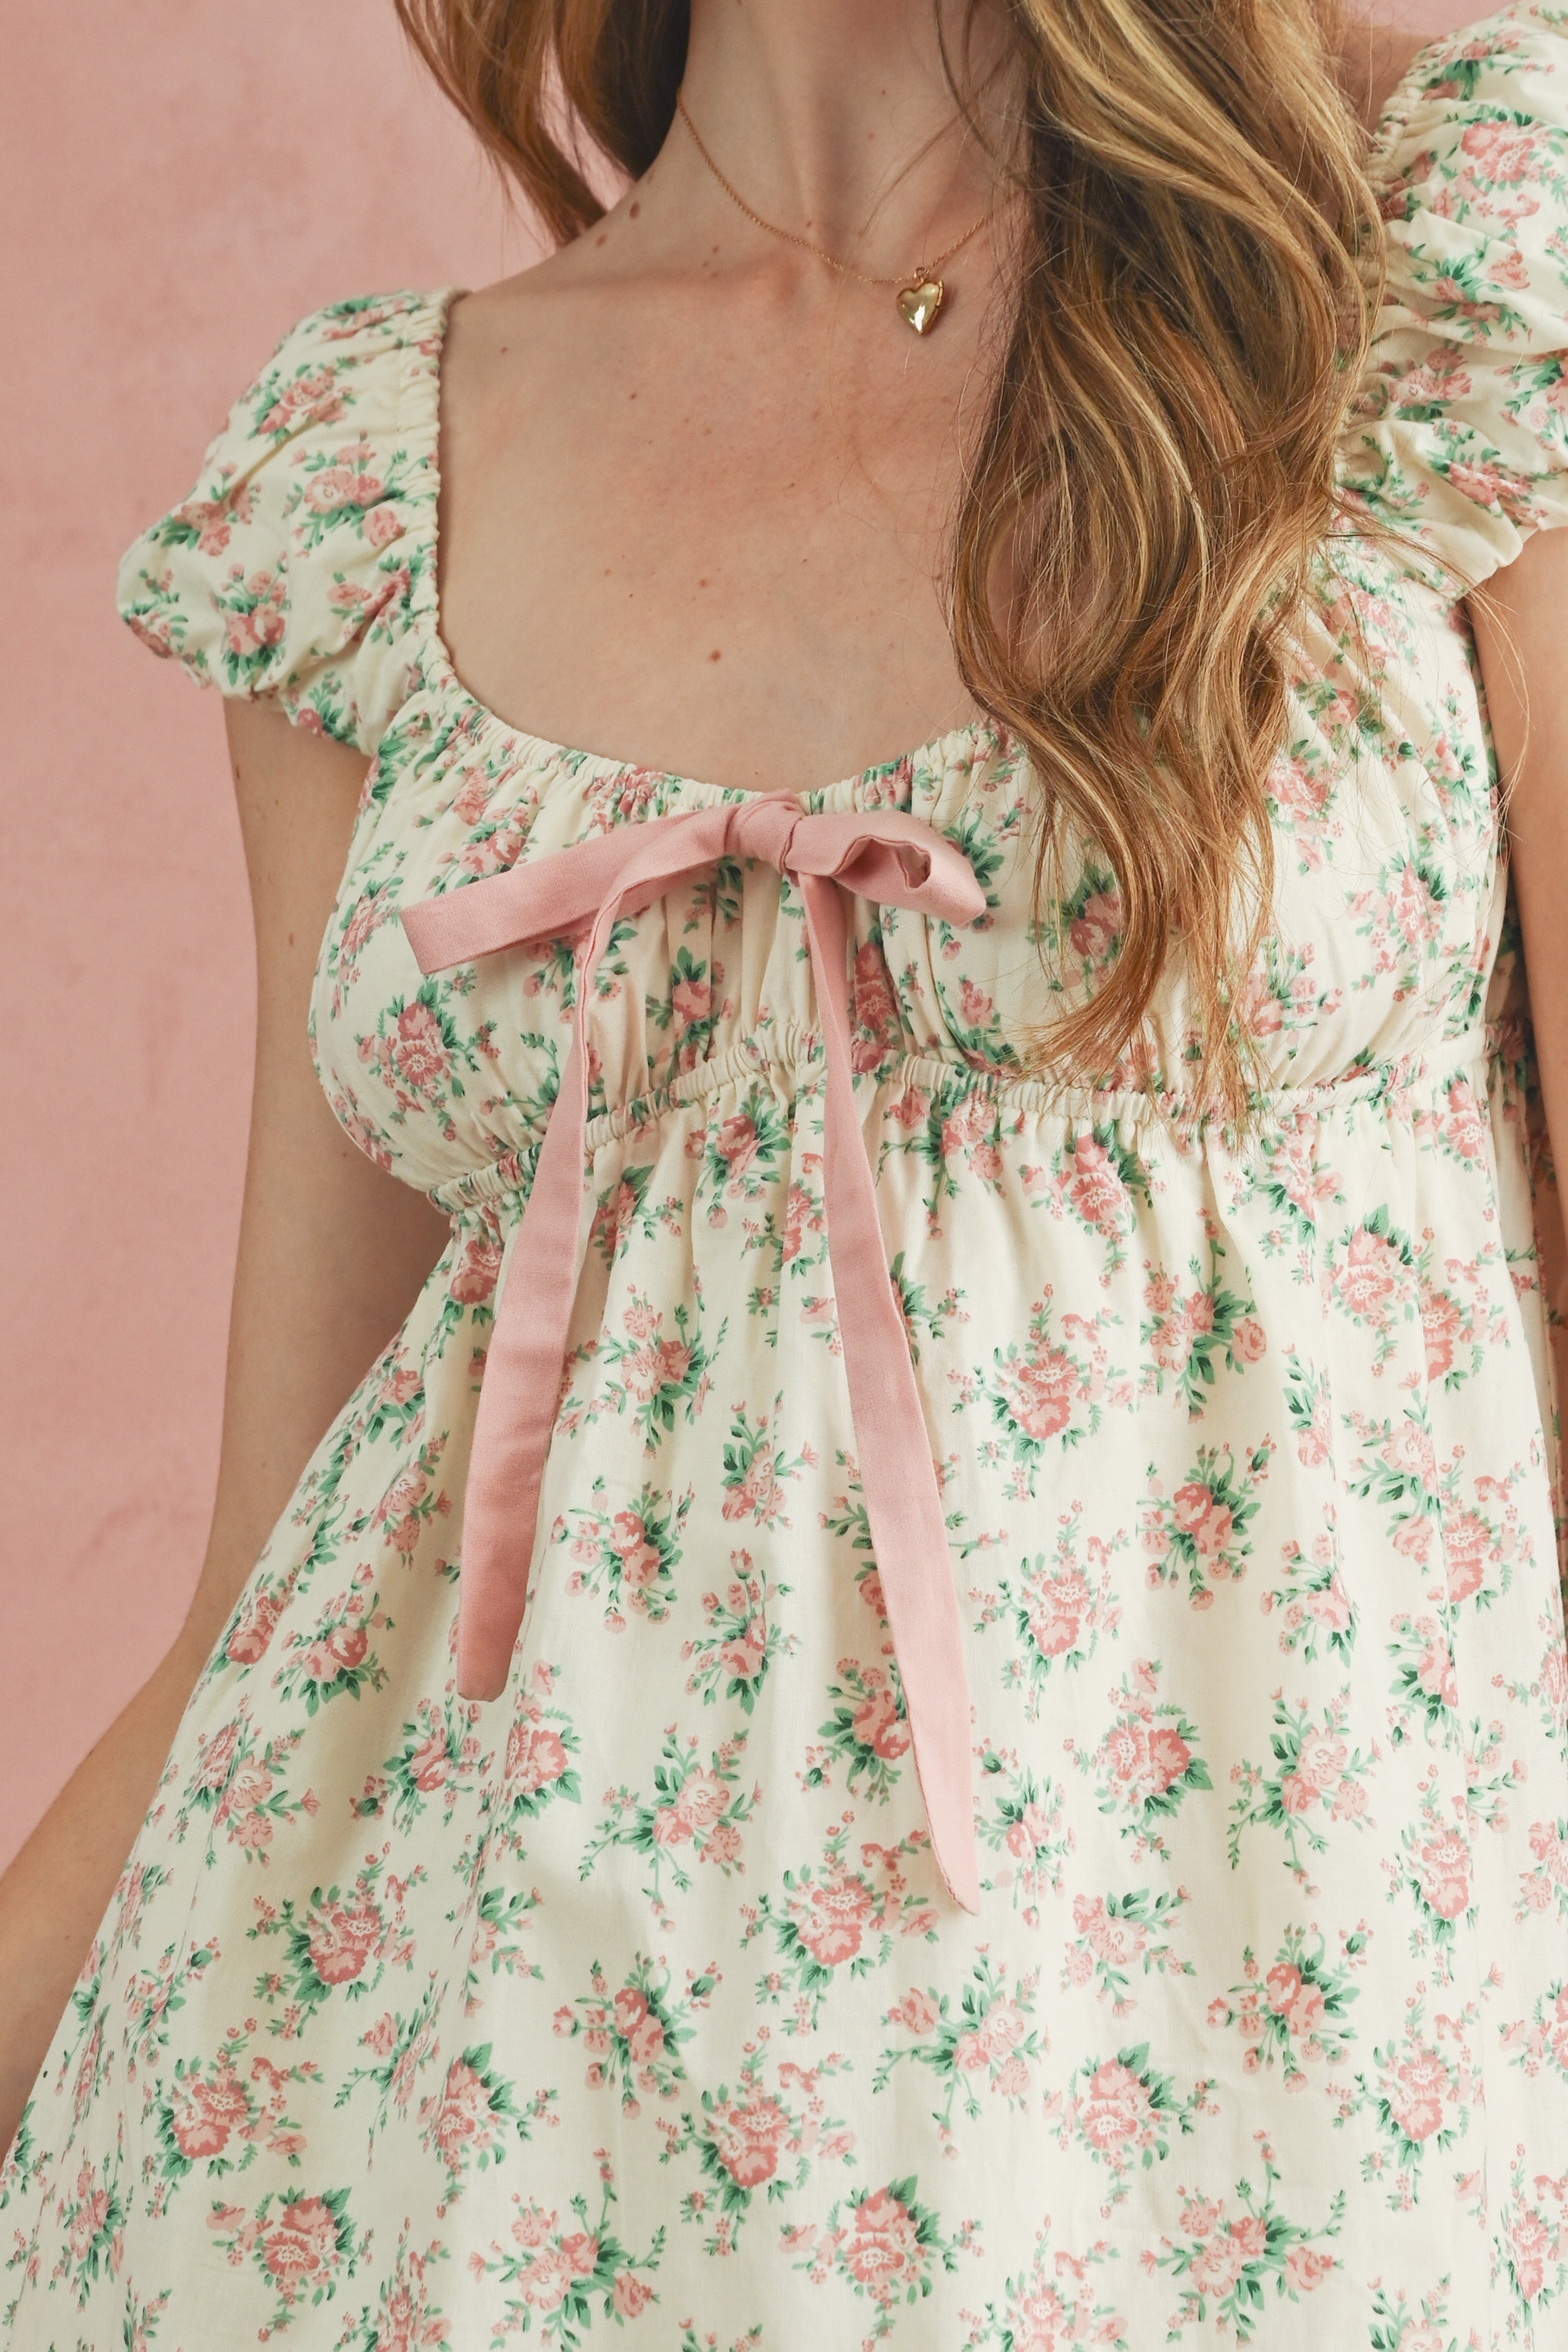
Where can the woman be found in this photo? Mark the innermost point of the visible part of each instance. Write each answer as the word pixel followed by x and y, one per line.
pixel 642 1846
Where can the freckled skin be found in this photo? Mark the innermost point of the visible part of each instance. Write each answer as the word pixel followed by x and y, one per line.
pixel 748 434
pixel 742 431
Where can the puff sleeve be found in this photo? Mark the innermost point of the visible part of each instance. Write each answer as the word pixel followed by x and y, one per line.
pixel 301 567
pixel 1459 436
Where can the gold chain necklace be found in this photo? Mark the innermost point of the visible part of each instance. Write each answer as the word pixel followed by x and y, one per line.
pixel 920 291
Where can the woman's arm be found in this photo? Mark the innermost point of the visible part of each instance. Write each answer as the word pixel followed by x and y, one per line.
pixel 1521 635
pixel 331 1255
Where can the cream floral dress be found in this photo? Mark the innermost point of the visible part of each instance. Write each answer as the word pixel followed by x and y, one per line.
pixel 634 2000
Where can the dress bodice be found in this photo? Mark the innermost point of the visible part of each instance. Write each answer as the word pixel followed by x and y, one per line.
pixel 304 566
pixel 633 1996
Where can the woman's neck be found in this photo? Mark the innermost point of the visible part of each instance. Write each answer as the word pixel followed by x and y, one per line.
pixel 838 123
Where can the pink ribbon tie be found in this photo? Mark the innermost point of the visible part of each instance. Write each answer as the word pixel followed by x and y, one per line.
pixel 877 853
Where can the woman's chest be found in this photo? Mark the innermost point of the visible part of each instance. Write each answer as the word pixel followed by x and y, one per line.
pixel 697 544
pixel 1382 936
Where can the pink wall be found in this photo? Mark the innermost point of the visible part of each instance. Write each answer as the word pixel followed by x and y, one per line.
pixel 179 180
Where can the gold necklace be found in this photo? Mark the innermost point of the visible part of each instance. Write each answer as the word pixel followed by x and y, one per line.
pixel 920 291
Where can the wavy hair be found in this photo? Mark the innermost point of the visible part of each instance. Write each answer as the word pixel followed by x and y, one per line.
pixel 1192 293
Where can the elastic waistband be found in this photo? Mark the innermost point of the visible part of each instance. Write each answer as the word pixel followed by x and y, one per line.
pixel 790 1055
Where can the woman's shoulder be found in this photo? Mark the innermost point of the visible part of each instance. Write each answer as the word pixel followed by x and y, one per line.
pixel 1458 436
pixel 333 361
pixel 302 560
pixel 1469 160
pixel 1442 126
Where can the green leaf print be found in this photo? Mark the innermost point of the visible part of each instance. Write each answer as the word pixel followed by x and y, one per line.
pixel 568 2278
pixel 633 2035
pixel 1230 2251
pixel 988 2044
pixel 757 2141
pixel 695 1807
pixel 885 2245
pixel 836 1920
pixel 303 2246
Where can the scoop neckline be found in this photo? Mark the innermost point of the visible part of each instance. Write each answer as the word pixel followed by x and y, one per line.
pixel 936 755
pixel 939 751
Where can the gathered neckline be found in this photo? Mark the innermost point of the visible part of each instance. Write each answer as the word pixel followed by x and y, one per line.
pixel 440 672
pixel 938 752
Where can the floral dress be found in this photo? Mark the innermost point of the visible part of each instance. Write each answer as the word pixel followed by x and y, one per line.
pixel 635 1999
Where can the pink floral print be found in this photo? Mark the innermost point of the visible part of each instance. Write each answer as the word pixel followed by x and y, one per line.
pixel 631 2003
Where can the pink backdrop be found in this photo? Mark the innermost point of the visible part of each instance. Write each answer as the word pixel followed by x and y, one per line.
pixel 179 180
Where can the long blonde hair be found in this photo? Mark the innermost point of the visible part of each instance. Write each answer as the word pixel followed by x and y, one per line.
pixel 1193 295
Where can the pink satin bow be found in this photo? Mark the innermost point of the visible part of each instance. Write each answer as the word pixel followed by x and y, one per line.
pixel 880 855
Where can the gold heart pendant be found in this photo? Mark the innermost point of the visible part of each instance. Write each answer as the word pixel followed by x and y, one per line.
pixel 918 304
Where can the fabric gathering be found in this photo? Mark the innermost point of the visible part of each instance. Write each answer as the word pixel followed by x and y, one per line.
pixel 1036 1822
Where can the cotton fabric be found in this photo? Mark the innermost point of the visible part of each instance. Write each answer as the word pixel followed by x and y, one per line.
pixel 633 2000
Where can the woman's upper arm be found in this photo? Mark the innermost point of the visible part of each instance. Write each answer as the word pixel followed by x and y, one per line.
pixel 1520 622
pixel 332 1251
